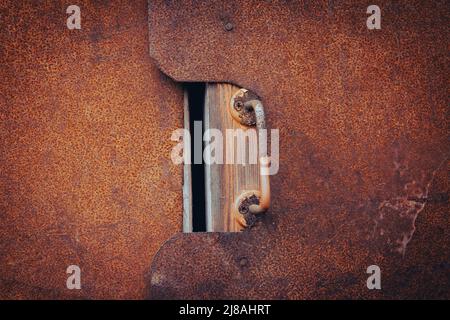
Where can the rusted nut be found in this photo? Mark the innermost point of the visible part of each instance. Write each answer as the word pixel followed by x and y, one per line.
pixel 243 114
pixel 242 212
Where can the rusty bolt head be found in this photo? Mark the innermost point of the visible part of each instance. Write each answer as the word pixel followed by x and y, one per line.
pixel 247 199
pixel 246 202
pixel 243 114
pixel 229 26
pixel 238 105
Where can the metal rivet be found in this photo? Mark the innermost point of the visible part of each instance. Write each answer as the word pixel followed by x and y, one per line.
pixel 229 26
pixel 243 262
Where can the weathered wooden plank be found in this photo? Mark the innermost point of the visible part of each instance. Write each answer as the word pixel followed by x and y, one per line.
pixel 187 174
pixel 225 182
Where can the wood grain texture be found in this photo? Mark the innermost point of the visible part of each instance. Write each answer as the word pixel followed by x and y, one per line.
pixel 225 182
pixel 187 175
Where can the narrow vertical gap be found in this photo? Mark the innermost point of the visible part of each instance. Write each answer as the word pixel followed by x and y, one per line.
pixel 196 101
pixel 187 181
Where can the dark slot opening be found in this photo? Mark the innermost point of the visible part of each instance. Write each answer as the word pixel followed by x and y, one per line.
pixel 196 100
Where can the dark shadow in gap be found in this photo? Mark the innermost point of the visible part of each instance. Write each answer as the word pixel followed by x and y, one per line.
pixel 196 100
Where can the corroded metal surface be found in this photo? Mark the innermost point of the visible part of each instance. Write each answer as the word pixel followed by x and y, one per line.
pixel 363 147
pixel 85 173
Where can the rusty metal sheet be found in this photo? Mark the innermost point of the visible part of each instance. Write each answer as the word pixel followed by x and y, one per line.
pixel 363 147
pixel 85 178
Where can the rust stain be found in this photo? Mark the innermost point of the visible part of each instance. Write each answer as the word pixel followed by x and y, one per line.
pixel 363 132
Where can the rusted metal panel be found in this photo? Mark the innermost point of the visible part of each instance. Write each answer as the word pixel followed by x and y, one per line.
pixel 363 147
pixel 85 171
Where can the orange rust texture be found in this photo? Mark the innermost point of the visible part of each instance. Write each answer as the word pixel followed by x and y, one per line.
pixel 85 172
pixel 363 146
